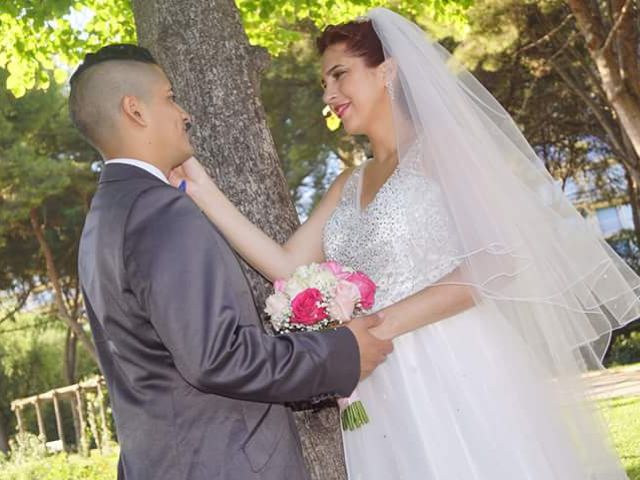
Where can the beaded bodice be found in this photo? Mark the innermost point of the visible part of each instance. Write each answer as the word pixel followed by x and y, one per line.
pixel 403 240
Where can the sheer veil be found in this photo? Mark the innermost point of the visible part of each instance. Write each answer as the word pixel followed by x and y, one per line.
pixel 521 244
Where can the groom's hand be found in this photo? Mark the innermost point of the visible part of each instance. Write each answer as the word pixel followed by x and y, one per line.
pixel 373 351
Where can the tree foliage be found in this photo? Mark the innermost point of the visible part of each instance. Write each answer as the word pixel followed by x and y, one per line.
pixel 45 185
pixel 37 37
pixel 44 165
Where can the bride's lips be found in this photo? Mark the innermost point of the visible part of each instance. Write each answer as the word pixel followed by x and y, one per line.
pixel 341 109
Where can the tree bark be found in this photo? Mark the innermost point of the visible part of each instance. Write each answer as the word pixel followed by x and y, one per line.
pixel 54 278
pixel 215 72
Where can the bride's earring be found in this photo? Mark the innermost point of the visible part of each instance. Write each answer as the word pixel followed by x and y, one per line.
pixel 389 85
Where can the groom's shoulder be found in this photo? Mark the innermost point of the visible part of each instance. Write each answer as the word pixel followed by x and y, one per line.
pixel 163 217
pixel 161 207
pixel 161 199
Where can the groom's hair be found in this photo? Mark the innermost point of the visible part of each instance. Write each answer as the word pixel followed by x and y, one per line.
pixel 100 82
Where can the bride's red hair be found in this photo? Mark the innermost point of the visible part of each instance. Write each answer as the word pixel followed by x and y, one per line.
pixel 359 37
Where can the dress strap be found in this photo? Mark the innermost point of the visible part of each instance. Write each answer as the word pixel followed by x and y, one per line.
pixel 353 187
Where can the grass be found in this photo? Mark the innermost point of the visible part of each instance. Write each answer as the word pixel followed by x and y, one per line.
pixel 62 467
pixel 623 416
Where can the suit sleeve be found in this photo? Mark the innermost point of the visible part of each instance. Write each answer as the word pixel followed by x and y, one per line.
pixel 180 269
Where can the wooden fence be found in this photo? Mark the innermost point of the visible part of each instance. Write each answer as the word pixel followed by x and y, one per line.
pixel 76 396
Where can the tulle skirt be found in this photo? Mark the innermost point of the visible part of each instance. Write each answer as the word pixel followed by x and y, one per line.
pixel 463 399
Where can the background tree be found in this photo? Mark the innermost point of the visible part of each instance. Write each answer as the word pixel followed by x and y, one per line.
pixel 46 180
pixel 532 56
pixel 43 194
pixel 611 32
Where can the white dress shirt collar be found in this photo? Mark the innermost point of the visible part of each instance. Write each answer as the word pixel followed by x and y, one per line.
pixel 152 169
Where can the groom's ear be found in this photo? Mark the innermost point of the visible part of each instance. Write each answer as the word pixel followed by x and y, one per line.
pixel 134 110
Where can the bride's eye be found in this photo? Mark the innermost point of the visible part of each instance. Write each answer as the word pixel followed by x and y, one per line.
pixel 338 74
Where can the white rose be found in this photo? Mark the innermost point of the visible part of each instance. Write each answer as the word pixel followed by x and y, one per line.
pixel 276 305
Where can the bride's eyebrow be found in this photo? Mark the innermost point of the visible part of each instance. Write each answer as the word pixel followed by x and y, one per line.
pixel 328 72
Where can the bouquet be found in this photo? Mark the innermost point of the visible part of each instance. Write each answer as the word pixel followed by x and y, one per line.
pixel 318 297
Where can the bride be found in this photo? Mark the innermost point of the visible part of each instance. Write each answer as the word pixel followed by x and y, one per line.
pixel 496 292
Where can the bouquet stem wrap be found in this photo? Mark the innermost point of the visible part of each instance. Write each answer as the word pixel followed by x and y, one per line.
pixel 352 412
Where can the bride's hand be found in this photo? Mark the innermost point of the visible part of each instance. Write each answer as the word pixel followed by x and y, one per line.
pixel 385 330
pixel 193 174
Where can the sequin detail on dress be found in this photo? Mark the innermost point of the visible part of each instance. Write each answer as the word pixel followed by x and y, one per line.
pixel 403 239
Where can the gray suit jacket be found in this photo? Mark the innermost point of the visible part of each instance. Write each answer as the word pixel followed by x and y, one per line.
pixel 196 385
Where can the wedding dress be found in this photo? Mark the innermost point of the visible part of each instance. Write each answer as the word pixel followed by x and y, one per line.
pixel 461 399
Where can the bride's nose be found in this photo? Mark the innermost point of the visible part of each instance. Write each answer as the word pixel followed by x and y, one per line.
pixel 329 95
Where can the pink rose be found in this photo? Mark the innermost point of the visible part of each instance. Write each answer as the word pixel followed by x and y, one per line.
pixel 336 269
pixel 367 288
pixel 344 301
pixel 306 307
pixel 279 285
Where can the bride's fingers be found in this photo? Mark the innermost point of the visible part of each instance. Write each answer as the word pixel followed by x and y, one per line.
pixel 194 169
pixel 174 179
pixel 176 176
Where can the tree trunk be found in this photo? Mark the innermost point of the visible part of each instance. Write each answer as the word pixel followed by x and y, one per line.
pixel 616 58
pixel 70 354
pixel 633 202
pixel 4 438
pixel 215 73
pixel 54 278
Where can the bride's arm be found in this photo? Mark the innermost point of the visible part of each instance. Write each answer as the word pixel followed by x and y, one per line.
pixel 273 260
pixel 430 305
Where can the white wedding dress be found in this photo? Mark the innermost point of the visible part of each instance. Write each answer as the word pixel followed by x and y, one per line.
pixel 460 399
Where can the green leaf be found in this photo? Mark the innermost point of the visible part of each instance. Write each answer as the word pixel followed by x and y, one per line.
pixel 60 75
pixel 16 86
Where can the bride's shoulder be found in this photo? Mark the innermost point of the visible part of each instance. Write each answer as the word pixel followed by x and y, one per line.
pixel 341 180
pixel 333 196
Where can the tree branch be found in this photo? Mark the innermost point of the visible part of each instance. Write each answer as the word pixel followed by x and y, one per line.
pixel 28 327
pixel 564 46
pixel 598 112
pixel 591 25
pixel 627 48
pixel 589 22
pixel 21 302
pixel 623 12
pixel 546 37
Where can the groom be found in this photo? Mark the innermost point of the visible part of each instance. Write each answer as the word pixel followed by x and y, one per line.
pixel 196 385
